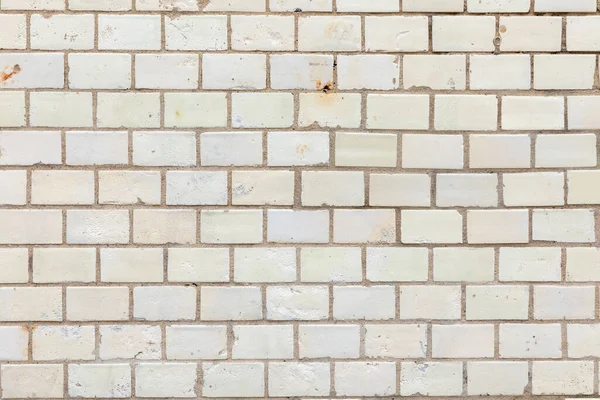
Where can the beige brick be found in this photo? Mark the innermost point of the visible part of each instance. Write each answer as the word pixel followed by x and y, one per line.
pixel 383 264
pixel 334 188
pixel 376 72
pixel 463 33
pixel 466 190
pixel 497 302
pixel 301 71
pixel 193 110
pixel 562 377
pixel 398 341
pixel 564 225
pixel 14 266
pixel 32 381
pixel 583 187
pixel 583 33
pixel 470 113
pixel 262 187
pixel 431 378
pixel 564 71
pixel 499 151
pixel 497 226
pixel 577 150
pixel 560 6
pixel 432 151
pixel 430 302
pixel 438 72
pixel 62 32
pixel 497 72
pixel 130 341
pixel 62 187
pixel 530 341
pixel 53 265
pixel 364 226
pixel 97 303
pixel 583 264
pixel 431 226
pixel 456 264
pixel 61 109
pixel 308 303
pixel 31 226
pixel 63 342
pixel 330 264
pixel 482 377
pixel 129 187
pixel 532 113
pixel 582 112
pixel 366 149
pixel 128 110
pixel 267 33
pixel 231 226
pixel 398 111
pixel 433 5
pixel 274 264
pixel 462 341
pixel 556 302
pixel 396 33
pixel 498 6
pixel 534 189
pixel 131 265
pixel 330 110
pixel 541 264
pixel 198 265
pixel 360 302
pixel 14 113
pixel 31 304
pixel 530 33
pixel 329 33
pixel 410 190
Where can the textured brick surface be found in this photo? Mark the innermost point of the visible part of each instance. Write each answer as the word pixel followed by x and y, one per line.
pixel 309 199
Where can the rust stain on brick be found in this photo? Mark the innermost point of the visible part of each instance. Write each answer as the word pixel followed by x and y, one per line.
pixel 8 72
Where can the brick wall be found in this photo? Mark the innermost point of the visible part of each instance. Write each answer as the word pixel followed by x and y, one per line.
pixel 299 198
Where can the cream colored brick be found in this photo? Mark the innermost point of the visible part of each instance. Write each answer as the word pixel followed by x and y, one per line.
pixel 334 188
pixel 466 190
pixel 128 110
pixel 97 303
pixel 397 264
pixel 330 110
pixel 583 264
pixel 564 71
pixel 32 381
pixel 236 5
pixel 196 32
pixel 497 226
pixel 577 150
pixel 582 112
pixel 366 149
pixel 129 341
pixel 97 226
pixel 99 380
pixel 13 115
pixel 231 226
pixel 397 341
pixel 471 113
pixel 31 226
pixel 332 341
pixel 275 264
pixel 396 33
pixel 263 341
pixel 262 110
pixel 131 265
pixel 129 32
pixel 13 35
pixel 530 33
pixel 564 225
pixel 31 304
pixel 230 303
pixel 233 379
pixel 583 340
pixel 231 148
pixel 498 6
pixel 433 6
pixel 562 377
pixel 267 33
pixel 431 378
pixel 482 377
pixel 497 72
pixel 14 266
pixel 431 226
pixel 129 187
pixel 430 302
pixel 463 33
pixel 532 113
pixel 14 345
pixel 170 5
pixel 234 71
pixel 97 148
pixel 164 226
pixel 534 189
pixel 583 187
pixel 183 71
pixel 530 264
pixel 375 72
pixel 329 33
pixel 297 148
pixel 497 302
pixel 298 226
pixel 462 341
pixel 583 33
pixel 192 342
pixel 530 341
pixel 299 379
pixel 53 265
pixel 62 187
pixel 198 265
pixel 561 6
pixel 359 302
pixel 456 264
pixel 564 302
pixel 196 188
pixel 499 151
pixel 262 187
pixel 166 379
pixel 432 151
pixel 100 5
pixel 374 6
pixel 164 148
pixel 62 32
pixel 398 111
pixel 13 187
pixel 364 226
pixel 305 303
pixel 438 72
pixel 33 5
pixel 365 378
pixel 330 264
pixel 410 190
pixel 301 71
pixel 304 5
pixel 61 109
pixel 164 303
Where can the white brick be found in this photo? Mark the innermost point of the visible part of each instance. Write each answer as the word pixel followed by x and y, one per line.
pixel 165 379
pixel 129 32
pixel 583 187
pixel 530 341
pixel 583 33
pixel 62 187
pixel 267 33
pixel 583 264
pixel 330 264
pixel 191 110
pixel 299 379
pixel 497 302
pixel 561 302
pixel 274 264
pixel 467 190
pixel 13 187
pixel 301 226
pixel 330 110
pixel 61 109
pixel 13 114
pixel 164 148
pixel 31 381
pixel 482 377
pixel 192 342
pixel 438 72
pixel 564 225
pixel 13 35
pixel 301 71
pixel 297 148
pixel 230 303
pixel 131 265
pixel 263 341
pixel 374 6
pixel 198 265
pixel 31 304
pixel 462 341
pixel 334 341
pixel 129 187
pixel 534 189
pixel 164 226
pixel 233 379
pixel 471 113
pixel 14 345
pixel 182 71
pixel 396 33
pixel 96 148
pixel 583 340
pixel 410 190
pixel 196 32
pixel 532 113
pixel 582 112
pixel 366 149
pixel 129 341
pixel 497 226
pixel 164 303
pixel 32 70
pixel 430 302
pixel 97 303
pixel 376 72
pixel 497 72
pixel 304 5
pixel 63 342
pixel 14 265
pixel 456 264
pixel 308 303
pixel 262 110
pixel 364 226
pixel 398 111
pixel 128 110
pixel 234 71
pixel 498 6
pixel 100 5
pixel 169 5
pixel 499 151
pixel 397 341
pixel 577 150
pixel 231 148
pixel 52 265
pixel 231 226
pixel 463 33
pixel 530 33
pixel 562 377
pixel 196 188
pixel 236 5
pixel 329 33
pixel 97 226
pixel 334 188
pixel 564 71
pixel 365 378
pixel 431 226
pixel 61 32
pixel 432 151
pixel 530 264
pixel 561 6
pixel 396 264
pixel 31 226
pixel 433 5
pixel 431 378
pixel 360 302
pixel 262 187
